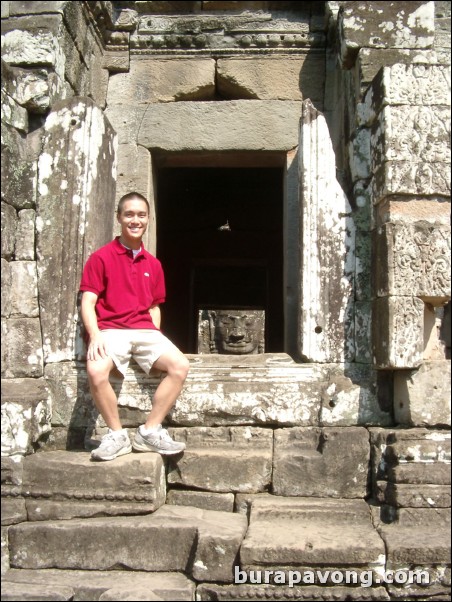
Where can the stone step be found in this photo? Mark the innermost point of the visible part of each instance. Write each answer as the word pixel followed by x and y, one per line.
pixel 53 584
pixel 67 484
pixel 201 543
pixel 311 532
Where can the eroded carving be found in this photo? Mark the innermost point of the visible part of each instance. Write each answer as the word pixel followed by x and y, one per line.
pixel 231 331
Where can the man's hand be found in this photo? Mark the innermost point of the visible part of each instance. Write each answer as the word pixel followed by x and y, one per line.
pixel 97 348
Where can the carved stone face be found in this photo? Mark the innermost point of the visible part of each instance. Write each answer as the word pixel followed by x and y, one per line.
pixel 237 332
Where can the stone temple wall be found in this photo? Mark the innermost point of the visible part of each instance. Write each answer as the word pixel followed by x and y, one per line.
pixel 359 106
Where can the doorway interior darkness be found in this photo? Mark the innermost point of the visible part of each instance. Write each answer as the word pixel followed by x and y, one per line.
pixel 220 240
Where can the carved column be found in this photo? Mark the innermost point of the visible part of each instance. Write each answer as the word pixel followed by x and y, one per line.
pixel 75 213
pixel 325 322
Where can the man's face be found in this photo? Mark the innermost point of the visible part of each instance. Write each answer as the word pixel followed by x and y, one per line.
pixel 134 218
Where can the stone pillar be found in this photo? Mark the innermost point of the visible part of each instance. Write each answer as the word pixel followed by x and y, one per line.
pixel 325 323
pixel 408 108
pixel 75 213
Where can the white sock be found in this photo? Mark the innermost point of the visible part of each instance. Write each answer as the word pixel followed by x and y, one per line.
pixel 145 431
pixel 118 433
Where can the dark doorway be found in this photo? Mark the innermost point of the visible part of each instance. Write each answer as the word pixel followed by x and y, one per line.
pixel 220 240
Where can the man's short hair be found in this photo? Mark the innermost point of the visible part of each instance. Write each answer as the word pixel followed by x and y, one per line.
pixel 128 197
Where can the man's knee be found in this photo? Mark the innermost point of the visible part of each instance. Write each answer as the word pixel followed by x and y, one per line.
pixel 182 366
pixel 97 372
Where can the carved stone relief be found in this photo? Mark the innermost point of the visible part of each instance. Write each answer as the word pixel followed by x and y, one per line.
pixel 231 331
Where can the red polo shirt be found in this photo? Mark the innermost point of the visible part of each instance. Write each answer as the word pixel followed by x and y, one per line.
pixel 126 286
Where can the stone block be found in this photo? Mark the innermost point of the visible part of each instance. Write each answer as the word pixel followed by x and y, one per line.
pixel 327 462
pixel 211 126
pixel 26 412
pixel 411 133
pixel 91 585
pixel 351 398
pixel 25 236
pixel 363 332
pixel 23 354
pixel 413 259
pixel 407 178
pixel 12 114
pixel 9 227
pixel 224 459
pixel 17 591
pixel 6 288
pixel 422 396
pixel 407 495
pixel 361 25
pixel 262 389
pixel 420 537
pixel 272 593
pixel 24 289
pixel 221 502
pixel 397 332
pixel 409 212
pixel 418 473
pixel 270 78
pixel 311 532
pixel 133 543
pixel 13 511
pixel 61 485
pixel 198 542
pixel 18 172
pixel 416 84
pixel 162 80
pixel 371 60
pixel 220 535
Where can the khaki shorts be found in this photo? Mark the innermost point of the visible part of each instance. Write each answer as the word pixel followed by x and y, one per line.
pixel 145 346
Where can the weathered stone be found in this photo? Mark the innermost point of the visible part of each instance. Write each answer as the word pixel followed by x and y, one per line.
pixel 161 80
pixel 163 546
pixel 79 152
pixel 415 85
pixel 173 538
pixel 18 176
pixel 411 211
pixel 9 226
pixel 12 113
pixel 407 495
pixel 25 236
pixel 419 537
pixel 414 134
pixel 397 332
pixel 363 331
pixel 16 591
pixel 407 178
pixel 420 473
pixel 413 260
pixel 291 78
pixel 67 484
pixel 328 462
pixel 13 511
pixel 220 535
pixel 23 351
pixel 26 412
pixel 260 389
pixel 422 396
pixel 12 473
pixel 360 156
pixel 24 289
pixel 371 60
pixel 222 502
pixel 351 397
pixel 361 25
pixel 311 532
pixel 272 593
pixel 210 126
pixel 325 324
pixel 129 593
pixel 234 459
pixel 6 288
pixel 90 585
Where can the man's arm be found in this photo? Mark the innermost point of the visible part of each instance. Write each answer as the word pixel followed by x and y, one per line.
pixel 156 315
pixel 96 347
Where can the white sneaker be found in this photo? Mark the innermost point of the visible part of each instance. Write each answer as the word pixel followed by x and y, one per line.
pixel 158 441
pixel 112 445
